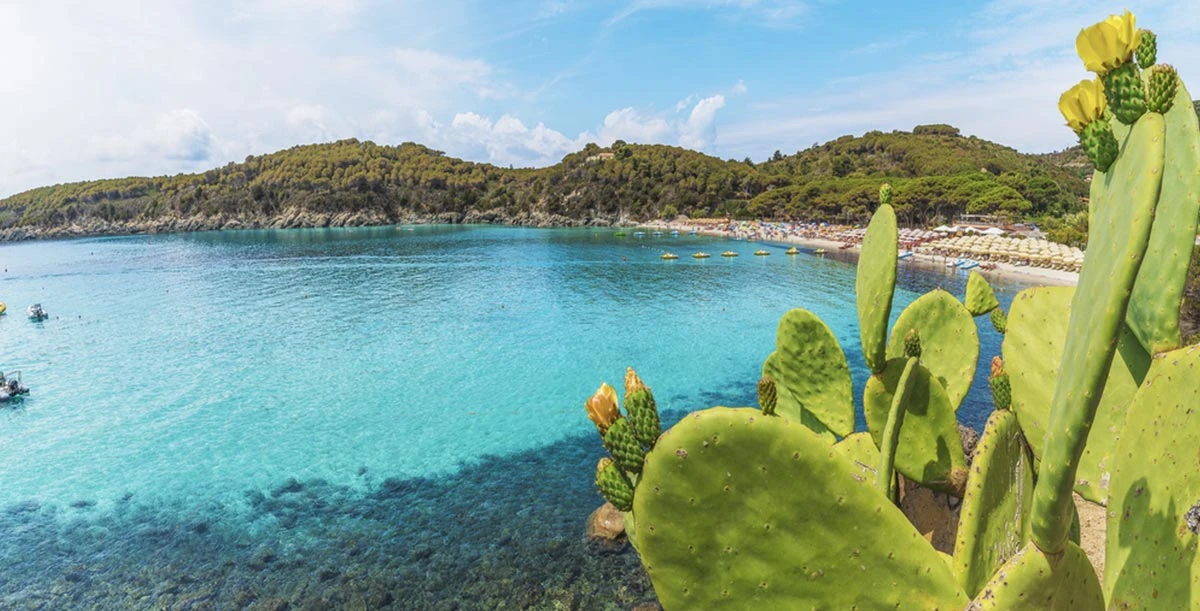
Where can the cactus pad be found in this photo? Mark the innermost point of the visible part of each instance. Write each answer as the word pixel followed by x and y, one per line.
pixel 1034 580
pixel 980 298
pixel 1151 558
pixel 863 454
pixel 875 283
pixel 929 448
pixel 993 523
pixel 1157 293
pixel 1033 350
pixel 737 510
pixel 811 372
pixel 949 340
pixel 1123 201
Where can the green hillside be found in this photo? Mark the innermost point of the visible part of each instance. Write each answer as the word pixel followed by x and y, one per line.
pixel 937 174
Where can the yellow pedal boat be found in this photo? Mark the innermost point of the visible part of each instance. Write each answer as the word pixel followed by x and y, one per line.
pixel 729 253
pixel 793 251
pixel 761 253
pixel 667 255
pixel 701 255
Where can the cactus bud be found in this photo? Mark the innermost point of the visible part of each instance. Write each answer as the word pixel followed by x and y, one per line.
pixel 643 415
pixel 1126 93
pixel 885 194
pixel 1160 90
pixel 1001 387
pixel 621 442
pixel 614 485
pixel 1147 50
pixel 602 408
pixel 999 320
pixel 632 381
pixel 1100 144
pixel 766 395
pixel 912 344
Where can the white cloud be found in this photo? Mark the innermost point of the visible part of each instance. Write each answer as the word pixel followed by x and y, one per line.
pixel 739 88
pixel 700 130
pixel 627 124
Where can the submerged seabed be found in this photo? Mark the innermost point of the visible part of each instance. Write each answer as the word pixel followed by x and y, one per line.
pixel 506 533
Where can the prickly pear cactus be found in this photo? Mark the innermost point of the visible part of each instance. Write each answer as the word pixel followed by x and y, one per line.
pixel 737 510
pixel 929 450
pixel 1158 292
pixel 999 320
pixel 1124 199
pixel 994 519
pixel 1151 559
pixel 810 372
pixel 949 340
pixel 1033 579
pixel 863 454
pixel 980 298
pixel 875 284
pixel 1033 349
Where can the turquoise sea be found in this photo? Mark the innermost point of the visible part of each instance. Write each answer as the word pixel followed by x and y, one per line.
pixel 364 418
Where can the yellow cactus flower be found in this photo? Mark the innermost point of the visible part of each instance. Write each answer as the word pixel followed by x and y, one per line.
pixel 1083 104
pixel 602 408
pixel 632 382
pixel 1108 44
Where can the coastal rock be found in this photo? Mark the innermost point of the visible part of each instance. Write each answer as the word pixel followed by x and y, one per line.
pixel 606 528
pixel 969 438
pixel 935 515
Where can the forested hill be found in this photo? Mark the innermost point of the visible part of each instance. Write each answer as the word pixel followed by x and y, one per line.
pixel 936 173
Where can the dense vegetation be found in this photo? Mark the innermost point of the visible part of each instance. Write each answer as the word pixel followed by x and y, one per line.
pixel 937 173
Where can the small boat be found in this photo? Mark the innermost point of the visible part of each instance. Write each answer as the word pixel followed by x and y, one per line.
pixel 2 307
pixel 656 234
pixel 701 255
pixel 668 255
pixel 619 234
pixel 11 387
pixel 675 232
pixel 761 253
pixel 793 251
pixel 692 232
pixel 729 253
pixel 904 255
pixel 36 313
pixel 819 251
pixel 639 234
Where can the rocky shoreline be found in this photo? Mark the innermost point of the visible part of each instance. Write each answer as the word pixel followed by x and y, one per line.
pixel 292 219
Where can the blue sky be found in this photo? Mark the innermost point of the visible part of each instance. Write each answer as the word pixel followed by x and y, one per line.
pixel 148 87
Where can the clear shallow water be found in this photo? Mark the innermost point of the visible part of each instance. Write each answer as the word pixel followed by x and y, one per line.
pixel 323 416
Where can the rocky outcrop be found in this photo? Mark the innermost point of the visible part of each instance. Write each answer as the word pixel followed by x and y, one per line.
pixel 606 529
pixel 292 218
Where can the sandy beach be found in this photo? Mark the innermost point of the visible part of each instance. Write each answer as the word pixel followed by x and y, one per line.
pixel 1023 273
